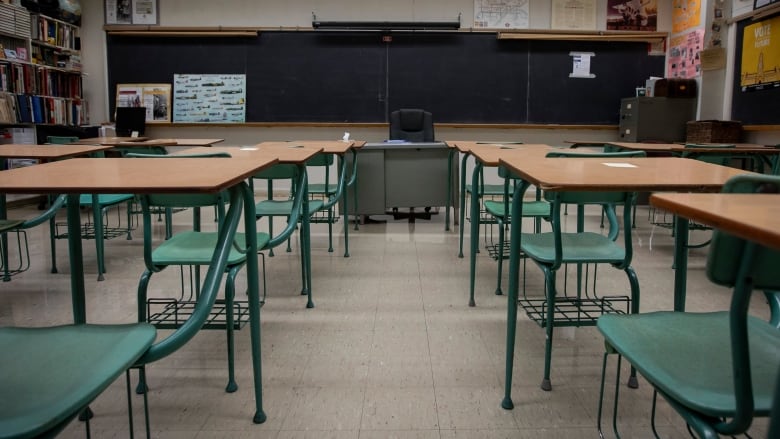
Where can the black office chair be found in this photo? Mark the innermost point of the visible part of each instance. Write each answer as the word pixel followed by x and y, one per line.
pixel 411 124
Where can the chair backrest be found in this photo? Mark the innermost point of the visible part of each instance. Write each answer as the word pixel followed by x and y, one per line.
pixel 593 197
pixel 61 140
pixel 608 200
pixel 182 200
pixel 725 254
pixel 745 266
pixel 411 124
pixel 709 157
pixel 282 171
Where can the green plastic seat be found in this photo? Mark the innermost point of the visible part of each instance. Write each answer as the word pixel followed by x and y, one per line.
pixel 551 251
pixel 718 370
pixel 49 375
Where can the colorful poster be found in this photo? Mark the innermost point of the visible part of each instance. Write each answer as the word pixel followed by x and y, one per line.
pixel 686 14
pixel 155 97
pixel 760 64
pixel 684 55
pixel 632 15
pixel 209 98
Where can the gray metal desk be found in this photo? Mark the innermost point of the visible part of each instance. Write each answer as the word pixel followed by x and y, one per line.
pixel 403 174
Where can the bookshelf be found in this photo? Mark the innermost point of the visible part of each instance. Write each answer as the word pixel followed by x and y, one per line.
pixel 40 70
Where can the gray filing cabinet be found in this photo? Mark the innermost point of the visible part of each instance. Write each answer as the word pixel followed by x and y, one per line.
pixel 655 118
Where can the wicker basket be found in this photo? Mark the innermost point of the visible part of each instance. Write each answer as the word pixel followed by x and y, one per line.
pixel 713 131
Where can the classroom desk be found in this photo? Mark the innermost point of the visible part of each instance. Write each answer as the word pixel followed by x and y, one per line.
pixel 464 147
pixel 285 153
pixel 44 153
pixel 149 175
pixel 769 155
pixel 403 174
pixel 338 148
pixel 487 154
pixel 753 217
pixel 669 174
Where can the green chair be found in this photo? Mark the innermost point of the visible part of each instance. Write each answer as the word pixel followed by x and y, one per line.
pixel 292 209
pixel 191 248
pixel 721 159
pixel 483 191
pixel 325 192
pixel 718 370
pixel 553 250
pixel 50 375
pixel 537 209
pixel 97 228
pixel 18 227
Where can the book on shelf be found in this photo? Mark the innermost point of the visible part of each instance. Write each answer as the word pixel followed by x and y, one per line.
pixel 23 108
pixel 37 109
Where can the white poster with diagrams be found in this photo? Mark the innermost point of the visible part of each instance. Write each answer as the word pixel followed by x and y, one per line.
pixel 209 98
pixel 501 14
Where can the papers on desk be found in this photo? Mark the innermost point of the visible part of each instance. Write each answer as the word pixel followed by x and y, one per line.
pixel 619 165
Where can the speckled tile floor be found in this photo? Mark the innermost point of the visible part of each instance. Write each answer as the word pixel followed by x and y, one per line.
pixel 391 349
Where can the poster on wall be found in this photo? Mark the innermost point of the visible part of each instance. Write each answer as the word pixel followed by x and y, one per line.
pixel 131 11
pixel 209 98
pixel 501 14
pixel 573 14
pixel 760 64
pixel 757 4
pixel 155 97
pixel 684 59
pixel 686 14
pixel 632 15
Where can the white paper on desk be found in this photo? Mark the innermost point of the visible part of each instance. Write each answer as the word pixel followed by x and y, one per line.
pixel 248 148
pixel 619 165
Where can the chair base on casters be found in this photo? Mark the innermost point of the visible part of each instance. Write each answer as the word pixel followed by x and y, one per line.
pixel 411 214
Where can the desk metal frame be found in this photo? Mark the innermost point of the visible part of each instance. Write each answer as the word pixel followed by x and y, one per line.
pixel 83 176
pixel 591 174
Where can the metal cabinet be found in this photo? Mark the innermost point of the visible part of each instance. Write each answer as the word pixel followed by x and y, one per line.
pixel 655 118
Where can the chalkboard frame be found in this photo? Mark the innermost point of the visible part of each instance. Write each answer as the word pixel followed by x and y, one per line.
pixel 451 74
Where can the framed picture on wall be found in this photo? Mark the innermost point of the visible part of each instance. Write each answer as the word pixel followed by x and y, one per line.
pixel 131 12
pixel 155 97
pixel 757 4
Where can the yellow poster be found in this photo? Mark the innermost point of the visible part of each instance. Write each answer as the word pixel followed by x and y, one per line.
pixel 761 54
pixel 686 14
